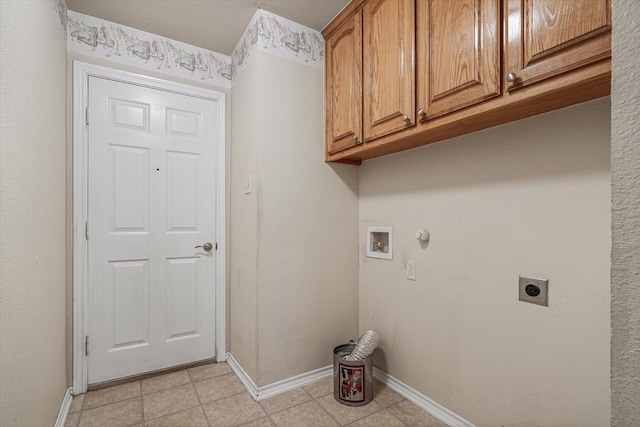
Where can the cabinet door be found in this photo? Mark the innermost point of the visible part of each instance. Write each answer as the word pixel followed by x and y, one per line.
pixel 343 73
pixel 546 38
pixel 389 76
pixel 458 54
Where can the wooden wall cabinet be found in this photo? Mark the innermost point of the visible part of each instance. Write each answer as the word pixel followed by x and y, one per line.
pixel 431 69
pixel 458 54
pixel 548 38
pixel 343 86
pixel 389 70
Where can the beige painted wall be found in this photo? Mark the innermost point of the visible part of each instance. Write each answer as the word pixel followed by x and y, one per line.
pixel 445 359
pixel 530 198
pixel 32 213
pixel 625 160
pixel 297 254
pixel 243 268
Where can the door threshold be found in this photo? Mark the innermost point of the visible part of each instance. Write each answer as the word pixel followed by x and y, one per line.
pixel 139 377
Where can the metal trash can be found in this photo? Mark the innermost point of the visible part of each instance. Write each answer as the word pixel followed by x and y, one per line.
pixel 352 380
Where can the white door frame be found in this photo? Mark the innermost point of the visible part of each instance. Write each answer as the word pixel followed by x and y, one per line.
pixel 81 73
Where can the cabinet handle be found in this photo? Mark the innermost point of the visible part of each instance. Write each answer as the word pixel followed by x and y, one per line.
pixel 511 77
pixel 405 118
pixel 421 112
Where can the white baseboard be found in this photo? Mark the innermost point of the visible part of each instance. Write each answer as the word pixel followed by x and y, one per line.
pixel 294 382
pixel 64 409
pixel 409 393
pixel 244 378
pixel 440 412
pixel 270 390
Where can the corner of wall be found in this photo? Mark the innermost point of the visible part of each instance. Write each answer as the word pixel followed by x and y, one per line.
pixel 301 289
pixel 32 209
pixel 280 37
pixel 625 254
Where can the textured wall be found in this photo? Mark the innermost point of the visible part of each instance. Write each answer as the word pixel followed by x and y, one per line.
pixel 625 161
pixel 307 227
pixel 300 264
pixel 529 198
pixel 32 213
pixel 243 280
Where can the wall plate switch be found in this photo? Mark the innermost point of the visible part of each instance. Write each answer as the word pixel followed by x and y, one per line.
pixel 410 267
pixel 535 291
pixel 247 184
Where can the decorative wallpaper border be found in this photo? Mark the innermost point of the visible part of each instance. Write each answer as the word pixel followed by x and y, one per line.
pixel 99 38
pixel 60 8
pixel 267 32
pixel 281 37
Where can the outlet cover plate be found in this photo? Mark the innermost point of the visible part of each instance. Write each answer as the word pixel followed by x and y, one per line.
pixel 410 268
pixel 535 291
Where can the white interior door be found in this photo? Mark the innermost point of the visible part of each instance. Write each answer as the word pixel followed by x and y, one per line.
pixel 151 202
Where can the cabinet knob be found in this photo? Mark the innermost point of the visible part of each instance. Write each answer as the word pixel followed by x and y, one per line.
pixel 511 77
pixel 405 118
pixel 355 138
pixel 421 112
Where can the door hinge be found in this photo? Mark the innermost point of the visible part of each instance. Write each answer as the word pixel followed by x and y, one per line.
pixel 86 116
pixel 86 345
pixel 86 231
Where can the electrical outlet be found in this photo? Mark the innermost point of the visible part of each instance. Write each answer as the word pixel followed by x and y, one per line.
pixel 410 267
pixel 535 291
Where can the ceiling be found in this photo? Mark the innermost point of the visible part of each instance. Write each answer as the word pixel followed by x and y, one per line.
pixel 215 25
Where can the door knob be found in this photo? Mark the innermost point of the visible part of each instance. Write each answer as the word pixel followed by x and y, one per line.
pixel 511 77
pixel 207 246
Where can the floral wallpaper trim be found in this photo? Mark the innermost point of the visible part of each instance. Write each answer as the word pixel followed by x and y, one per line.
pixel 281 37
pixel 96 37
pixel 270 33
pixel 60 8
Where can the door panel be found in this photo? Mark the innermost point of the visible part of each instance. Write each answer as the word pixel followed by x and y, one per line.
pixel 129 296
pixel 182 197
pixel 129 115
pixel 182 290
pixel 183 123
pixel 151 201
pixel 129 184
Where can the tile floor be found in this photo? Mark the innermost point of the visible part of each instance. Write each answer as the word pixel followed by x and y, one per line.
pixel 211 395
